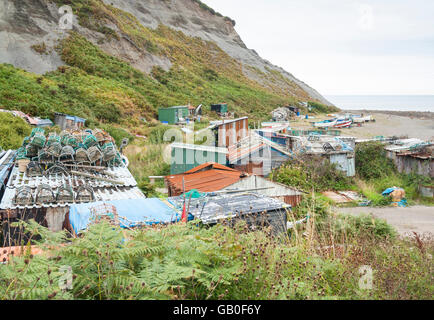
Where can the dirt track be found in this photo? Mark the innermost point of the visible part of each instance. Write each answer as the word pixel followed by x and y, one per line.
pixel 419 219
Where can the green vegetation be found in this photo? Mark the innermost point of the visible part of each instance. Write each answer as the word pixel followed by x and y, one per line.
pixel 312 173
pixel 322 108
pixel 376 173
pixel 105 89
pixel 12 131
pixel 192 262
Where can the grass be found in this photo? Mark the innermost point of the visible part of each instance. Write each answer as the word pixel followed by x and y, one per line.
pixel 12 131
pixel 105 89
pixel 321 261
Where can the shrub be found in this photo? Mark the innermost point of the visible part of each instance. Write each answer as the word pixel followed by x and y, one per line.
pixel 312 173
pixel 371 161
pixel 12 131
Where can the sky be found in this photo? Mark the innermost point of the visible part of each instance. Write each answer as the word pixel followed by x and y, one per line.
pixel 364 47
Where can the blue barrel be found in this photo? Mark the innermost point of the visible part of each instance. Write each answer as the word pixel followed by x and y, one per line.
pixel 298 113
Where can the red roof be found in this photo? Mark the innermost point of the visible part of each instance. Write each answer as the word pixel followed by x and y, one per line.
pixel 207 177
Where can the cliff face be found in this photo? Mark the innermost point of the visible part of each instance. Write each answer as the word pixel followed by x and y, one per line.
pixel 188 17
pixel 177 36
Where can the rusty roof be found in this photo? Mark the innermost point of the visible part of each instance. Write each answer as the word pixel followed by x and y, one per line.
pixel 207 177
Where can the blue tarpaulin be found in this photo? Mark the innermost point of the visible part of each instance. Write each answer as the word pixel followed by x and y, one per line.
pixel 132 212
pixel 388 191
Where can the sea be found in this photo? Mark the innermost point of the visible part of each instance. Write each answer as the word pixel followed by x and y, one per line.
pixel 383 102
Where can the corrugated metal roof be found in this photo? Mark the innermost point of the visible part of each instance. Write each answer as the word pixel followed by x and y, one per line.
pixel 208 177
pixel 222 122
pixel 199 147
pixel 210 165
pixel 103 190
pixel 211 209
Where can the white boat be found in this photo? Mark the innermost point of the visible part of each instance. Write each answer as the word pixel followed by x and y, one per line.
pixel 362 119
pixel 325 123
pixel 343 123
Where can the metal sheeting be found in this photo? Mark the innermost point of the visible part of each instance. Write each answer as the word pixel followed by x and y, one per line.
pixel 101 194
pixel 211 209
pixel 56 180
pixel 102 190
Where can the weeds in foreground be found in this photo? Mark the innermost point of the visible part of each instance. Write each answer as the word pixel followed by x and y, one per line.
pixel 180 261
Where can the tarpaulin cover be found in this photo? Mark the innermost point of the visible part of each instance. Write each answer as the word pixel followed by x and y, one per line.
pixel 389 191
pixel 136 212
pixel 194 194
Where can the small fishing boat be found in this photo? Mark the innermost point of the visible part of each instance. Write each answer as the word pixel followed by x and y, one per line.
pixel 343 123
pixel 325 123
pixel 361 119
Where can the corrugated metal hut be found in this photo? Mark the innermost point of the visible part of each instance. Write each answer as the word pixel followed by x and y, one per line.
pixel 208 177
pixel 220 107
pixel 188 156
pixel 173 115
pixel 229 132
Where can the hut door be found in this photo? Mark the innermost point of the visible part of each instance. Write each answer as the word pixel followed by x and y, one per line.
pixel 255 168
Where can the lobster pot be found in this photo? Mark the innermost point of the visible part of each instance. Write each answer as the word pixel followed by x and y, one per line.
pixel 54 149
pixel 81 155
pixel 67 153
pixel 116 161
pixel 109 151
pixel 90 141
pixel 44 194
pixel 38 140
pixel 26 141
pixel 72 141
pixel 36 131
pixel 23 196
pixel 31 151
pixel 65 194
pixel 94 154
pixel 21 153
pixel 64 136
pixel 52 138
pixel 102 136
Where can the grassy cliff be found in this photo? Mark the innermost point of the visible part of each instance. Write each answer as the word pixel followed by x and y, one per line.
pixel 106 89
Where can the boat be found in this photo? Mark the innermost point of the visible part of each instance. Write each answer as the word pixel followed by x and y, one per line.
pixel 325 123
pixel 361 119
pixel 343 123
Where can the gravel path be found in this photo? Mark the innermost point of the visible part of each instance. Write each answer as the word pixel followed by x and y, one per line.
pixel 419 219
